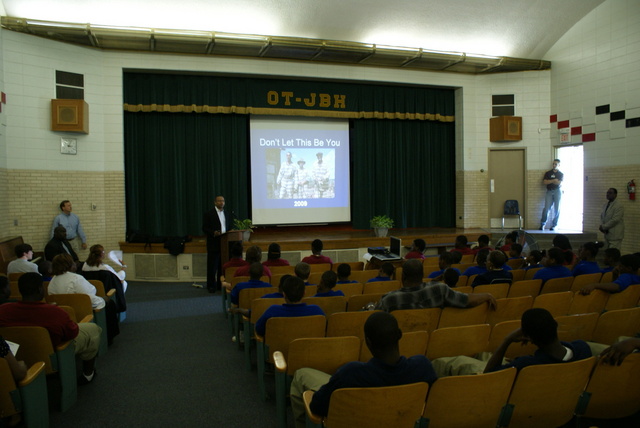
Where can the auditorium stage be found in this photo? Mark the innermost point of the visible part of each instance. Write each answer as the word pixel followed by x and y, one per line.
pixel 298 238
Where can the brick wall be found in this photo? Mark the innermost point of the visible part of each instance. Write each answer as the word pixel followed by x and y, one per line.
pixel 33 199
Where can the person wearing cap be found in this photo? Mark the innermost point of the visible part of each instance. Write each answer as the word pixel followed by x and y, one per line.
pixel 321 176
pixel 287 178
pixel 305 181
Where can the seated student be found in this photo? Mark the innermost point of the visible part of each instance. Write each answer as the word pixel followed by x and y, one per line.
pixel 451 277
pixel 417 250
pixel 509 239
pixel 95 262
pixel 254 254
pixel 316 257
pixel 24 254
pixel 18 368
pixel 386 368
pixel 481 260
pixel 416 294
pixel 587 263
pixel 515 252
pixel 483 243
pixel 5 289
pixel 327 282
pixel 302 271
pixel 278 294
pixel 344 272
pixel 32 311
pixel 273 256
pixel 536 326
pixel 627 275
pixel 59 245
pixel 293 289
pixel 236 259
pixel 66 281
pixel 539 327
pixel 445 261
pixel 461 245
pixel 553 266
pixel 533 260
pixel 456 257
pixel 385 273
pixel 255 272
pixel 496 273
pixel 611 259
pixel 562 241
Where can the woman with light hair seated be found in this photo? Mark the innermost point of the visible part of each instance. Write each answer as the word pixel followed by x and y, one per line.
pixel 66 281
pixel 95 263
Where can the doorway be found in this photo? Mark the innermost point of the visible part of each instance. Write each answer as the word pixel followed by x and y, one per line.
pixel 506 181
pixel 571 207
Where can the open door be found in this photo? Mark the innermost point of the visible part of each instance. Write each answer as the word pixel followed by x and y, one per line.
pixel 571 206
pixel 506 181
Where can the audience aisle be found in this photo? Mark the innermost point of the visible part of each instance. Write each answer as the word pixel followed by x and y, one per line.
pixel 173 365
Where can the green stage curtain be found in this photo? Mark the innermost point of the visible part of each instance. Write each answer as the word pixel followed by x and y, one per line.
pixel 175 165
pixel 403 169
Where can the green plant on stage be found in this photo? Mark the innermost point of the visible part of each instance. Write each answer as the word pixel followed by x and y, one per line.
pixel 381 221
pixel 245 224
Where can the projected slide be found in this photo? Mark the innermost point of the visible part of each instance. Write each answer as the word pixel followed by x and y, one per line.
pixel 299 170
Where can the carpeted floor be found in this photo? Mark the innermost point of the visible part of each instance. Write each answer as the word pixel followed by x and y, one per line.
pixel 173 365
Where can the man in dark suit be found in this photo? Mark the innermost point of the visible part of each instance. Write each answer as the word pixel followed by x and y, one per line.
pixel 59 245
pixel 214 224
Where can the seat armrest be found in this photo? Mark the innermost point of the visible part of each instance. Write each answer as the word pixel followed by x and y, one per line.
pixel 87 318
pixel 111 293
pixel 280 362
pixel 32 373
pixel 306 397
pixel 63 346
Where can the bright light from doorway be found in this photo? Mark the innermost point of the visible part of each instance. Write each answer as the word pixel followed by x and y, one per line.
pixel 571 208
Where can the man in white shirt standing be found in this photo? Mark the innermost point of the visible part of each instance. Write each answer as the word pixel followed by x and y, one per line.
pixel 24 253
pixel 71 223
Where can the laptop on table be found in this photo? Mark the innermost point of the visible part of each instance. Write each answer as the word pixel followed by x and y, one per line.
pixel 393 254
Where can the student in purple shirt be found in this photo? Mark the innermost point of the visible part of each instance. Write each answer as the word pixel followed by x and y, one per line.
pixel 327 282
pixel 628 275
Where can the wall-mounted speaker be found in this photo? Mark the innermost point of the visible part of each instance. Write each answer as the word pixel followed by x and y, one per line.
pixel 70 116
pixel 505 128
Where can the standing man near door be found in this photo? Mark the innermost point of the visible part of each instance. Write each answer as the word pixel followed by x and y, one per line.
pixel 214 224
pixel 553 180
pixel 612 220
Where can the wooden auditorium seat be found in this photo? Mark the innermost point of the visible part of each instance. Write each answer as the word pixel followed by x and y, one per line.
pixel 350 289
pixel 28 398
pixel 528 287
pixel 509 309
pixel 383 287
pixel 587 303
pixel 613 324
pixel 455 317
pixel 498 291
pixel 453 341
pixel 556 303
pixel 258 306
pixel 557 285
pixel 358 301
pixel 410 344
pixel 426 319
pixel 329 305
pixel 629 298
pixel 582 280
pixel 347 324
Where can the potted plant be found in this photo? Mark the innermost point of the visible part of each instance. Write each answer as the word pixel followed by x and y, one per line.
pixel 381 225
pixel 246 226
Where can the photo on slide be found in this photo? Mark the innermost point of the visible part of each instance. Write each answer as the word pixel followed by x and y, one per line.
pixel 301 173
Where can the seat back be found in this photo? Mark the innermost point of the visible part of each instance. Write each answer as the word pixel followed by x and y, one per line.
pixel 8 391
pixel 281 270
pixel 508 309
pixel 613 324
pixel 515 264
pixel 381 407
pixel 615 389
pixel 81 303
pixel 280 331
pixel 511 207
pixel 499 291
pixel 248 295
pixel 329 305
pixel 358 301
pixel 364 275
pixel 454 317
pixel 349 289
pixel 410 344
pixel 310 290
pixel 518 274
pixel 15 276
pixel 546 395
pixel 326 354
pixel 588 303
pixel 528 287
pixel 556 303
pixel 582 280
pixel 35 345
pixel 628 298
pixel 315 277
pixel 320 267
pixel 484 397
pixel 454 341
pixel 258 306
pixel 418 319
pixel 355 266
pixel 347 324
pixel 557 285
pixel 531 272
pixel 576 327
pixel 14 293
pixel 606 277
pixel 380 287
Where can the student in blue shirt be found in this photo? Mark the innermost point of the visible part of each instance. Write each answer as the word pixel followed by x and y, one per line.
pixel 385 273
pixel 445 261
pixel 628 275
pixel 481 260
pixel 344 272
pixel 553 266
pixel 611 259
pixel 587 263
pixel 327 282
pixel 533 260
